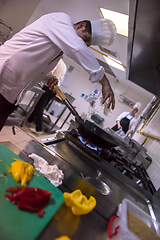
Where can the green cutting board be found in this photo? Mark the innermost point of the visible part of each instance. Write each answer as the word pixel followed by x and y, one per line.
pixel 16 224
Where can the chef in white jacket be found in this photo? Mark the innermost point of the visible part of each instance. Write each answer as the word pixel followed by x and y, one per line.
pixel 127 121
pixel 34 51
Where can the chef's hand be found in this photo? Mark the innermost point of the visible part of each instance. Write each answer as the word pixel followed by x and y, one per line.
pixel 119 125
pixel 129 132
pixel 52 82
pixel 107 93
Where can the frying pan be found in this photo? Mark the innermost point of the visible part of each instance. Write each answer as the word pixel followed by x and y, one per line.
pixel 87 129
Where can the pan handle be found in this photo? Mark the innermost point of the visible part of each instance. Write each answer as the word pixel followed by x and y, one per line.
pixel 65 100
pixel 60 93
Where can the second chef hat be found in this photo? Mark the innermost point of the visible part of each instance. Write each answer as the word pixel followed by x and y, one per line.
pixel 103 32
pixel 137 105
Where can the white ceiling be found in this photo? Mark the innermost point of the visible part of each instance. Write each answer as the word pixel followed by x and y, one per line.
pixel 89 10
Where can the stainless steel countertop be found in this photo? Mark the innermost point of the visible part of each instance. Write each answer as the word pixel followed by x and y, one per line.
pixel 73 162
pixel 93 225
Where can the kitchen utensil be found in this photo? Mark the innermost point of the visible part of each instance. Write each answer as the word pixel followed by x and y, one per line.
pixel 87 129
pixel 98 184
pixel 17 224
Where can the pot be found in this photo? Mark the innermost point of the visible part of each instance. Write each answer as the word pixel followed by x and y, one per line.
pixel 87 129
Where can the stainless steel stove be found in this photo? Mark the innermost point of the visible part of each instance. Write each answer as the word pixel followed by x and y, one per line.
pixel 115 159
pixel 84 167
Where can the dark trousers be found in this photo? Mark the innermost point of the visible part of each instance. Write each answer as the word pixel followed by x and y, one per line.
pixel 6 108
pixel 37 114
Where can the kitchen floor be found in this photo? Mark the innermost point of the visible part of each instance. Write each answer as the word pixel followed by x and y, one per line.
pixel 21 138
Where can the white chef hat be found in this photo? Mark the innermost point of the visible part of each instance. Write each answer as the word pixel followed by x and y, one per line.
pixel 103 32
pixel 137 105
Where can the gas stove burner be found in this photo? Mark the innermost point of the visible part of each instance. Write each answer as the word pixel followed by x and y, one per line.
pixel 82 140
pixel 88 144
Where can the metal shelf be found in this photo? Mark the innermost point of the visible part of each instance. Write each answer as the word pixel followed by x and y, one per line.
pixel 23 111
pixel 52 127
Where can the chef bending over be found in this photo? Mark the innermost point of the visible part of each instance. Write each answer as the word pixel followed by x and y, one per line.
pixel 34 51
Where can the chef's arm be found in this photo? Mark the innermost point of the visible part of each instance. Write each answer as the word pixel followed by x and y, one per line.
pixel 118 124
pixel 129 132
pixel 132 126
pixel 107 92
pixel 56 76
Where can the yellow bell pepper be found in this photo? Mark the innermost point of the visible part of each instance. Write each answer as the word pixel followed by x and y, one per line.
pixel 17 168
pixel 27 174
pixel 63 238
pixel 79 203
pixel 21 171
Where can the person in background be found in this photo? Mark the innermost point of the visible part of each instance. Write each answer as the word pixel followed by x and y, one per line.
pixel 37 115
pixel 34 51
pixel 126 120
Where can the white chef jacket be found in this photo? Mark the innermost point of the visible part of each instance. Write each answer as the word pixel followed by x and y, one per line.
pixel 59 72
pixel 27 57
pixel 132 122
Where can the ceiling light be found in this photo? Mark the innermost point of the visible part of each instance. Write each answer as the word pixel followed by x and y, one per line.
pixel 114 63
pixel 120 20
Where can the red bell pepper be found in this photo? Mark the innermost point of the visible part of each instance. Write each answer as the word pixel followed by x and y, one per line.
pixel 16 189
pixel 40 213
pixel 17 194
pixel 29 198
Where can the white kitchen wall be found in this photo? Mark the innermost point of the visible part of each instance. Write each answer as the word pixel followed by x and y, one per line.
pixel 16 13
pixel 153 147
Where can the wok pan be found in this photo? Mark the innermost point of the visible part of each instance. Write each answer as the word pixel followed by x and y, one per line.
pixel 87 129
